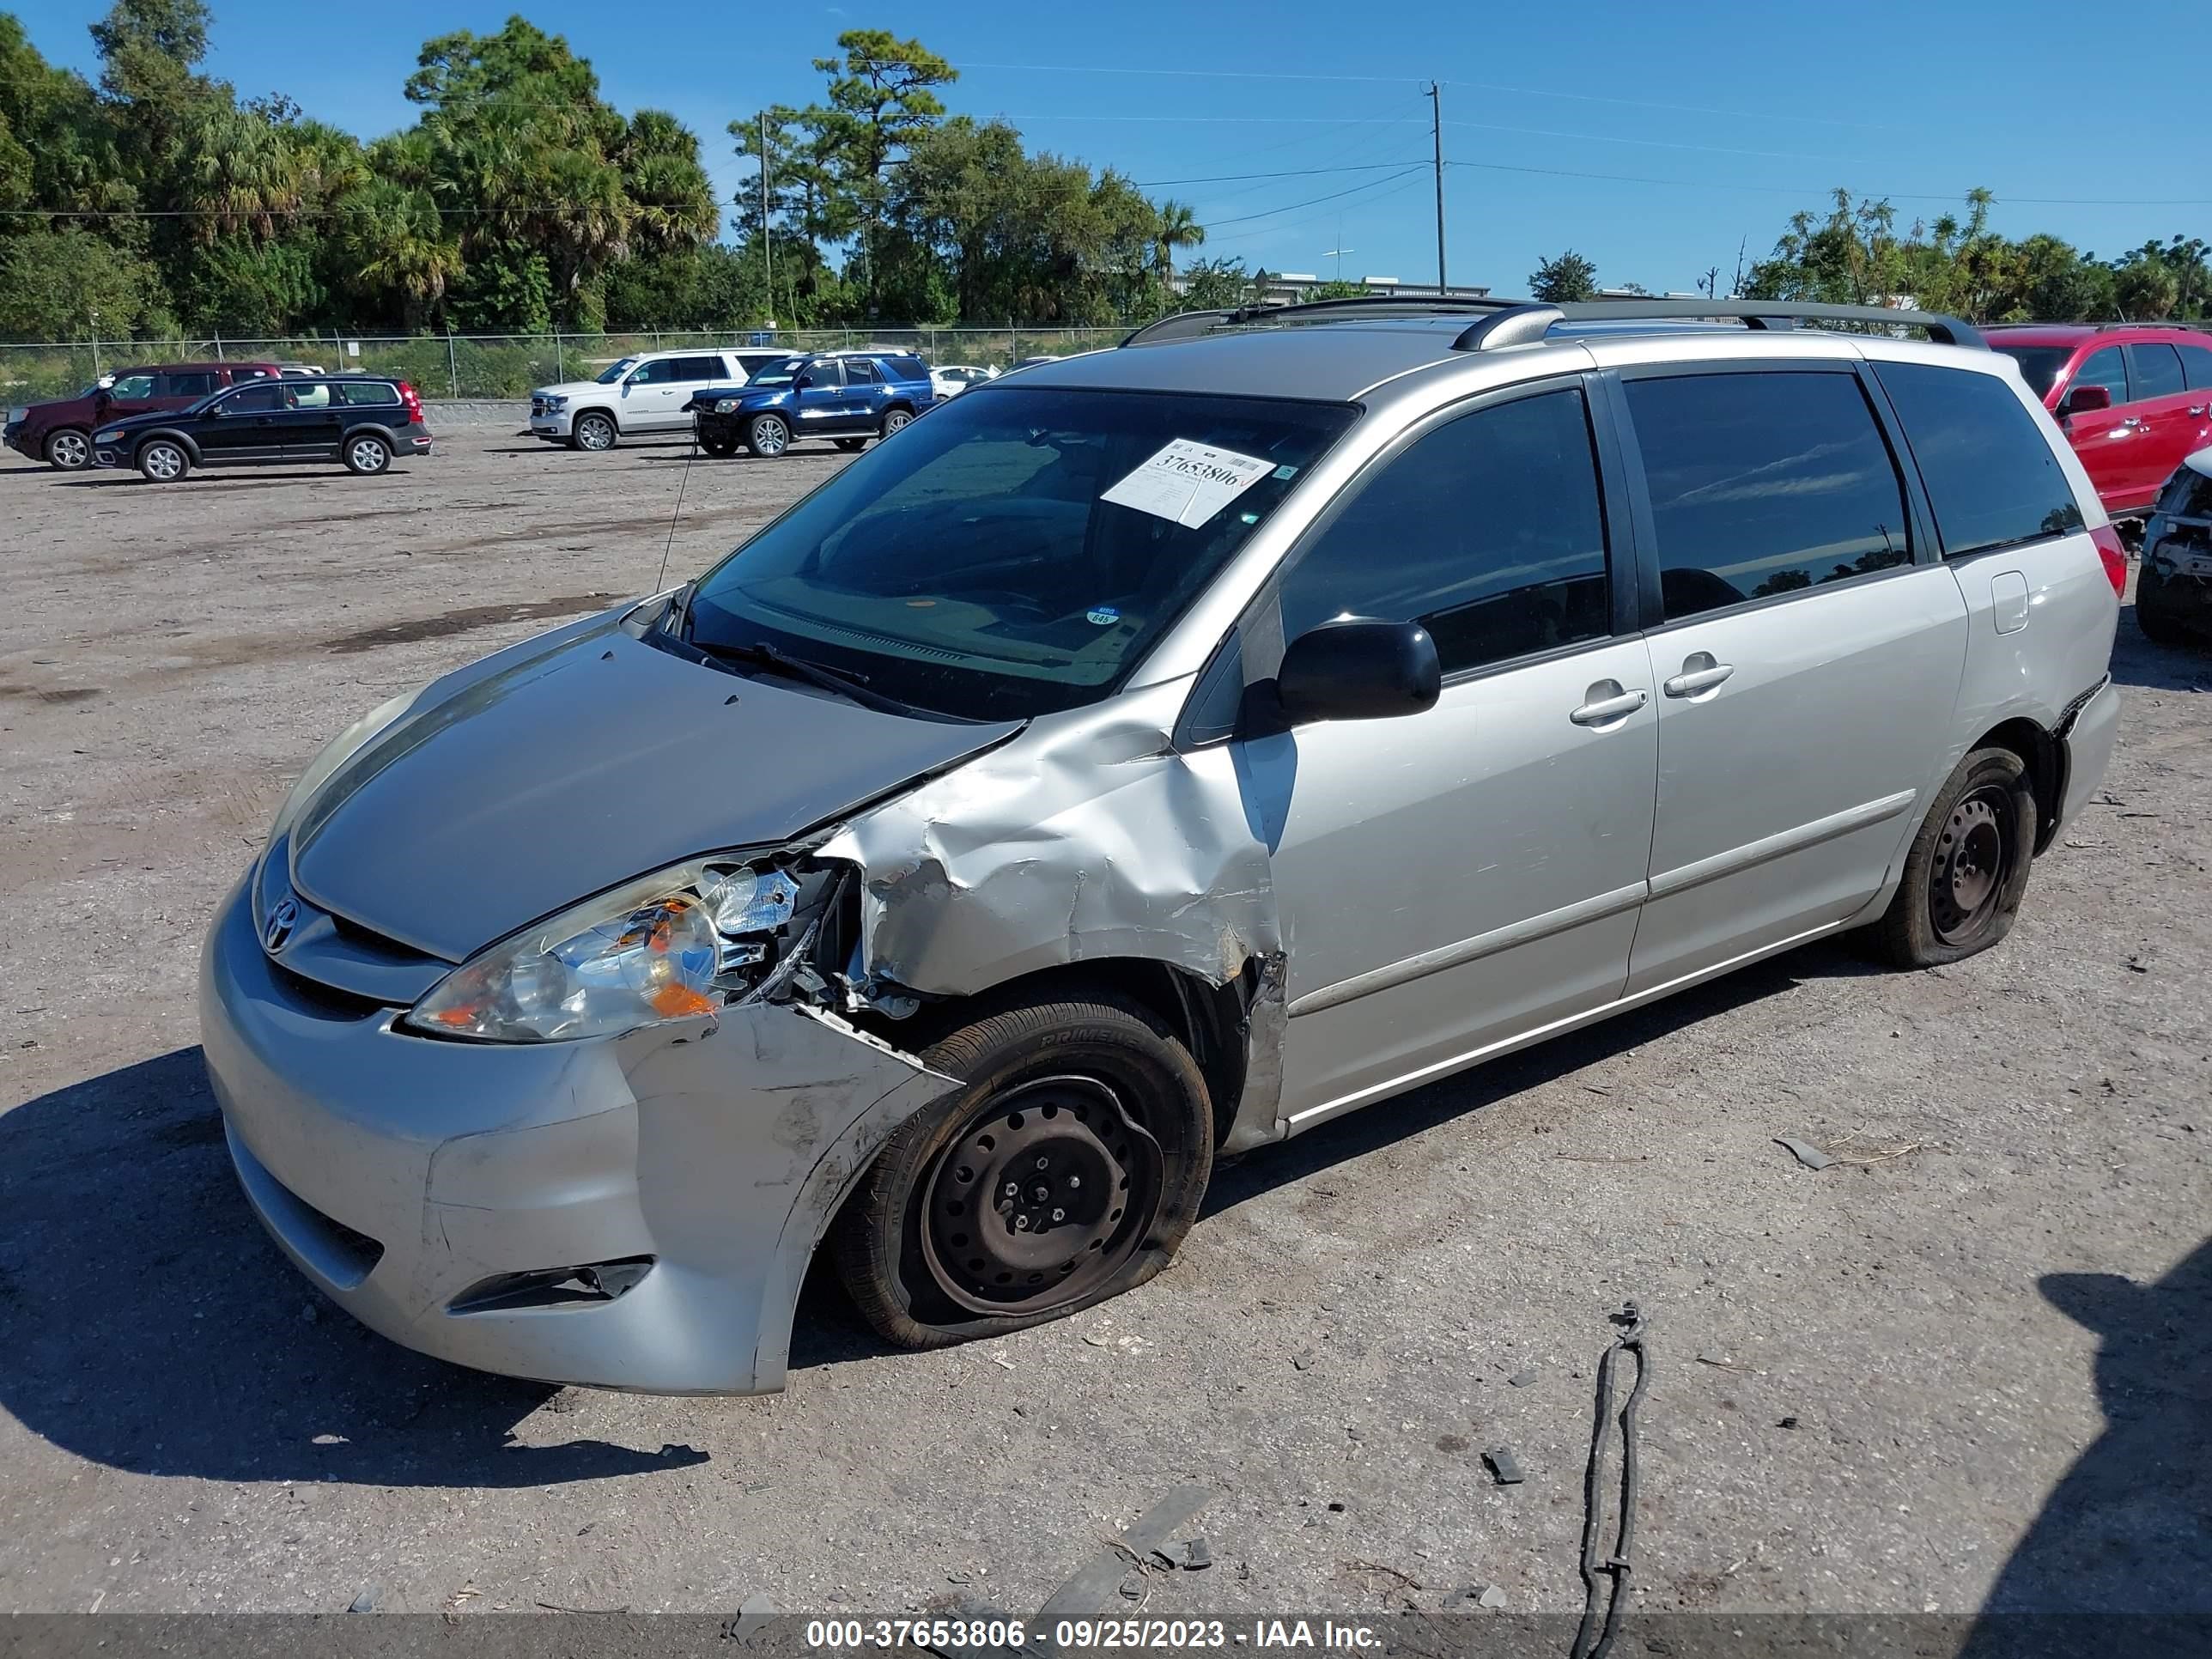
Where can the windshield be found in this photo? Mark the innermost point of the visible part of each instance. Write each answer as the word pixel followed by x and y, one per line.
pixel 2038 365
pixel 778 373
pixel 1018 551
pixel 614 371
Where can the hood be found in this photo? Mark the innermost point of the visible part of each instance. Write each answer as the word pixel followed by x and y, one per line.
pixel 709 395
pixel 58 411
pixel 147 417
pixel 502 797
pixel 576 389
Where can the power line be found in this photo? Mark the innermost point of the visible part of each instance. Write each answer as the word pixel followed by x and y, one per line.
pixel 1999 198
pixel 1290 207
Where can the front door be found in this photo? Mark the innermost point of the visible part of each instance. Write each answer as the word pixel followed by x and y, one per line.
pixel 2171 428
pixel 652 398
pixel 132 394
pixel 246 426
pixel 1808 665
pixel 2108 441
pixel 1454 880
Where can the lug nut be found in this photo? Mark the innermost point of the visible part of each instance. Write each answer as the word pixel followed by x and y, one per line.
pixel 1021 1224
pixel 1044 1163
pixel 1074 1182
pixel 1059 1215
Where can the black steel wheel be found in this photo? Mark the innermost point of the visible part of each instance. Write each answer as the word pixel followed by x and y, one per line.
pixel 1067 1171
pixel 852 446
pixel 1966 870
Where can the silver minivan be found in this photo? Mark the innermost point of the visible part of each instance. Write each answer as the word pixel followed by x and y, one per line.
pixel 1143 758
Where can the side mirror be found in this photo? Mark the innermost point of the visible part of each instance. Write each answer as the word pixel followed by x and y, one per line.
pixel 1358 670
pixel 800 383
pixel 101 397
pixel 2087 400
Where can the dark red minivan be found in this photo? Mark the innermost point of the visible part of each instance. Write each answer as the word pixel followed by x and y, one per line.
pixel 59 432
pixel 2133 398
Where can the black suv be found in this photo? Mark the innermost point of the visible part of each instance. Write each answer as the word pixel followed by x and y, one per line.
pixel 364 421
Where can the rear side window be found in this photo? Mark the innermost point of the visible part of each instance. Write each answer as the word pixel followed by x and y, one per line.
pixel 2196 367
pixel 2154 370
pixel 906 368
pixel 2108 368
pixel 859 371
pixel 254 400
pixel 304 395
pixel 1989 472
pixel 1764 483
pixel 1488 531
pixel 700 368
pixel 366 392
pixel 196 383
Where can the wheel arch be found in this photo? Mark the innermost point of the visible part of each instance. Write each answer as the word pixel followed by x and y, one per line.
pixel 613 419
pixel 182 439
pixel 2045 757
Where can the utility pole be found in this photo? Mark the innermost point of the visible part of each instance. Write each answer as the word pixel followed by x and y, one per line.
pixel 768 258
pixel 1437 128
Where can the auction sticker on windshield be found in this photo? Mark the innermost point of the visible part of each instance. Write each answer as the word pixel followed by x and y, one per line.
pixel 1189 482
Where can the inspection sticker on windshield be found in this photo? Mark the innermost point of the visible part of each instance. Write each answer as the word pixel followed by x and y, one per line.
pixel 1189 482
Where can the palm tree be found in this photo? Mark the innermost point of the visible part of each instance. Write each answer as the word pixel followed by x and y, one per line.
pixel 395 244
pixel 1178 227
pixel 240 171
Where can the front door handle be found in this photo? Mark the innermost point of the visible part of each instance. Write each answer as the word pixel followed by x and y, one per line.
pixel 1615 704
pixel 1699 673
pixel 2196 410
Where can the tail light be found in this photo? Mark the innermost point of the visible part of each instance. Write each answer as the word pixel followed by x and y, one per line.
pixel 407 396
pixel 2114 552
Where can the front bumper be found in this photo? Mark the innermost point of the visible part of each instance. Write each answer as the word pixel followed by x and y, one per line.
pixel 549 423
pixel 408 1177
pixel 109 455
pixel 13 435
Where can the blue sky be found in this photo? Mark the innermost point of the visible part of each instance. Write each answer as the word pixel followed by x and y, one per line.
pixel 1712 122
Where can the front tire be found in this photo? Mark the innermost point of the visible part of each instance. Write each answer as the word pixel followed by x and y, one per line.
pixel 163 461
pixel 69 450
pixel 368 455
pixel 720 448
pixel 767 436
pixel 1967 868
pixel 594 432
pixel 852 446
pixel 1067 1171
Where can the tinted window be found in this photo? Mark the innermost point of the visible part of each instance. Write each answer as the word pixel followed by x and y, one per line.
pixel 1989 472
pixel 2196 367
pixel 2038 365
pixel 301 394
pixel 1764 483
pixel 368 391
pixel 973 566
pixel 859 371
pixel 196 383
pixel 689 369
pixel 2154 370
pixel 658 373
pixel 906 368
pixel 2106 368
pixel 824 376
pixel 132 385
pixel 1488 530
pixel 253 400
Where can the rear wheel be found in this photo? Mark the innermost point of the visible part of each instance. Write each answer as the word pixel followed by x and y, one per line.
pixel 894 419
pixel 852 446
pixel 367 454
pixel 767 436
pixel 69 449
pixel 1967 868
pixel 2158 627
pixel 1067 1171
pixel 163 461
pixel 593 431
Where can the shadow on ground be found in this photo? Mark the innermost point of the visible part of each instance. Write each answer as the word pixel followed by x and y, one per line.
pixel 2138 664
pixel 2129 1529
pixel 148 1323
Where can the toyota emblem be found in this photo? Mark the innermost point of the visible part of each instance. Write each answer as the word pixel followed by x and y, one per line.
pixel 281 920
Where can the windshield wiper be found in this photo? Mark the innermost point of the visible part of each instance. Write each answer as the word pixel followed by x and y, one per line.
pixel 844 682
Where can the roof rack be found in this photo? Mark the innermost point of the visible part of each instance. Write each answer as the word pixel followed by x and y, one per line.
pixel 1523 322
pixel 2199 325
pixel 1523 325
pixel 1182 324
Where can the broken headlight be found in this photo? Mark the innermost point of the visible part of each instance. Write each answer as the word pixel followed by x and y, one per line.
pixel 669 946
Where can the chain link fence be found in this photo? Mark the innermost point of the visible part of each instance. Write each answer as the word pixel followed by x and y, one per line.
pixel 502 365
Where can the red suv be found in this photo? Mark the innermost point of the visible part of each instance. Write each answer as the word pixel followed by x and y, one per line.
pixel 60 432
pixel 2134 398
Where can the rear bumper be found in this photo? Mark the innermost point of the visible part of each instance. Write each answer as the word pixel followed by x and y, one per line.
pixel 2089 748
pixel 410 1178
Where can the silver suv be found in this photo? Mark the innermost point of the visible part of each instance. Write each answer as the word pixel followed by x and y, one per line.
pixel 1146 756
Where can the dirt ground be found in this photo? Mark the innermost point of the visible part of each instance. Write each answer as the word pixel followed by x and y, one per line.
pixel 1965 1368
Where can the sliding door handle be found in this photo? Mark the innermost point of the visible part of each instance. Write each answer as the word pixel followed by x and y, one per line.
pixel 1603 711
pixel 1697 676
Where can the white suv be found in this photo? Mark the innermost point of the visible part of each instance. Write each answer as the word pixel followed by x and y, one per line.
pixel 638 396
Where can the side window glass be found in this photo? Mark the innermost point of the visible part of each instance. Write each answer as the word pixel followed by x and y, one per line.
pixel 2196 367
pixel 303 396
pixel 824 376
pixel 654 374
pixel 859 371
pixel 2154 370
pixel 254 400
pixel 1764 483
pixel 368 391
pixel 195 384
pixel 1488 530
pixel 2106 368
pixel 1991 478
pixel 701 369
pixel 130 386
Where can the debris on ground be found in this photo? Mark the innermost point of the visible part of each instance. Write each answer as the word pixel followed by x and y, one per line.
pixel 1197 1555
pixel 1492 1595
pixel 309 1313
pixel 1504 1465
pixel 1520 1379
pixel 366 1599
pixel 1804 1152
pixel 1602 1612
pixel 1787 1423
pixel 564 1402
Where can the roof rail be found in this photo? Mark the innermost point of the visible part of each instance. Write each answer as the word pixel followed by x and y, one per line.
pixel 1527 323
pixel 1182 324
pixel 2159 322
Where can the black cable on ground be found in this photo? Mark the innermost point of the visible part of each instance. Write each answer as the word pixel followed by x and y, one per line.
pixel 1594 1639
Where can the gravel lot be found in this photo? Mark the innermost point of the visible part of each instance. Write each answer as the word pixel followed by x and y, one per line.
pixel 1869 1393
